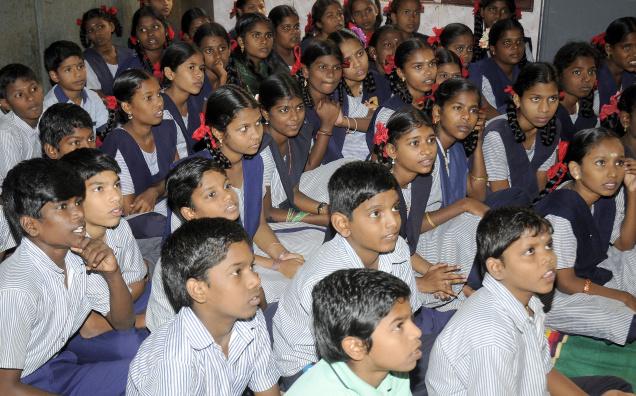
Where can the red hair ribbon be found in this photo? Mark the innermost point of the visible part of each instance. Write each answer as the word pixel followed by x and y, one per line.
pixel 611 108
pixel 233 11
pixel 111 102
pixel 297 64
pixel 170 33
pixel 381 135
pixel 310 24
pixel 156 71
pixel 389 64
pixel 509 90
pixel 387 8
pixel 112 10
pixel 233 45
pixel 561 95
pixel 435 39
pixel 78 21
pixel 429 96
pixel 345 3
pixel 358 32
pixel 181 35
pixel 202 131
pixel 133 40
pixel 599 39
pixel 553 172
pixel 465 72
pixel 517 13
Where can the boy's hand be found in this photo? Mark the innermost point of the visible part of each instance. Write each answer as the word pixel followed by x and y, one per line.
pixel 290 267
pixel 440 278
pixel 97 256
pixel 144 202
pixel 292 256
pixel 629 300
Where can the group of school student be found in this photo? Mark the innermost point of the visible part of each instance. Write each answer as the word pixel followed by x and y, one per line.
pixel 366 211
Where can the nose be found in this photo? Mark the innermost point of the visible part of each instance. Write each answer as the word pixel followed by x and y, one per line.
pixel 253 280
pixel 77 214
pixel 393 222
pixel 544 106
pixel 414 331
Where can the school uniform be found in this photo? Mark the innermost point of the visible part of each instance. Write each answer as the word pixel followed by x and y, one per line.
pixel 492 81
pixel 607 86
pixel 182 358
pixel 100 75
pixel 503 350
pixel 133 62
pixel 338 137
pixel 6 239
pixel 383 113
pixel 582 239
pixel 248 79
pixel 41 311
pixel 91 102
pixel 18 142
pixel 572 123
pixel 186 125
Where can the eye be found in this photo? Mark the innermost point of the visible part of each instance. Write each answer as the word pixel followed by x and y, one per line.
pixel 212 194
pixel 599 162
pixel 396 207
pixel 535 99
pixel 19 95
pixel 91 139
pixel 237 272
pixel 415 142
pixel 529 252
pixel 399 326
pixel 374 213
pixel 284 109
pixel 227 185
pixel 620 163
pixel 576 72
pixel 98 189
pixel 474 110
pixel 300 107
pixel 553 99
pixel 548 246
pixel 457 107
pixel 361 53
pixel 118 185
pixel 431 140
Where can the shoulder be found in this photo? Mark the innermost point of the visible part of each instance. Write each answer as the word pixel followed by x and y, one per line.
pixel 318 381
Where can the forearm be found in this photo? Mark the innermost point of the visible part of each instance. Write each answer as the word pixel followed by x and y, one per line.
pixel 317 152
pixel 419 264
pixel 627 238
pixel 121 315
pixel 477 176
pixel 442 215
pixel 542 180
pixel 267 241
pixel 569 283
pixel 360 124
pixel 137 289
pixel 10 384
pixel 560 385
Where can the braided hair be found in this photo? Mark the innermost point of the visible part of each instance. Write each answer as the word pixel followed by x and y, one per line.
pixel 315 49
pixel 534 73
pixel 341 36
pixel 124 88
pixel 626 103
pixel 478 28
pixel 102 14
pixel 399 124
pixel 135 43
pixel 617 32
pixel 402 54
pixel 567 55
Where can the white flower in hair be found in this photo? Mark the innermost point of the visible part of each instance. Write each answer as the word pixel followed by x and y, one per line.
pixel 483 41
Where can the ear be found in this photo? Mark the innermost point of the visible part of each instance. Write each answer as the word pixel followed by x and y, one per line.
pixel 4 105
pixel 495 268
pixel 354 348
pixel 54 77
pixel 305 71
pixel 516 100
pixel 30 225
pixel 188 213
pixel 341 223
pixel 436 113
pixel 217 134
pixel 125 106
pixel 196 290
pixel 111 26
pixel 575 170
pixel 608 50
pixel 241 44
pixel 372 53
pixel 168 73
pixel 400 73
pixel 391 150
pixel 51 151
pixel 623 117
pixel 394 18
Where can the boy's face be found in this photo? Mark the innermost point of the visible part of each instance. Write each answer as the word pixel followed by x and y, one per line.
pixel 103 203
pixel 213 197
pixel 527 266
pixel 232 290
pixel 24 98
pixel 396 341
pixel 80 138
pixel 60 226
pixel 71 74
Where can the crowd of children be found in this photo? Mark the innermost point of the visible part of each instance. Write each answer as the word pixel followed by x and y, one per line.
pixel 364 210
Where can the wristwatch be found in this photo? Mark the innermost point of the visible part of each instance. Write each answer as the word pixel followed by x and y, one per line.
pixel 321 206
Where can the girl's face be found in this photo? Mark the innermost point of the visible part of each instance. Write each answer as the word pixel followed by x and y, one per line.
pixel 146 105
pixel 194 25
pixel 539 103
pixel 213 197
pixel 151 33
pixel 579 77
pixel 494 12
pixel 446 71
pixel 287 116
pixel 415 151
pixel 258 42
pixel 364 13
pixel 189 75
pixel 253 7
pixel 215 50
pixel 458 116
pixel 387 44
pixel 99 31
pixel 628 121
pixel 354 54
pixel 462 46
pixel 420 70
pixel 163 7
pixel 509 49
pixel 324 74
pixel 243 134
pixel 288 32
pixel 624 53
pixel 332 20
pixel 407 17
pixel 602 169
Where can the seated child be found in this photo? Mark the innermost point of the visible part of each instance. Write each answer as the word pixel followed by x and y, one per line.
pixel 21 95
pixel 503 348
pixel 64 61
pixel 43 286
pixel 209 277
pixel 364 334
pixel 364 212
pixel 65 127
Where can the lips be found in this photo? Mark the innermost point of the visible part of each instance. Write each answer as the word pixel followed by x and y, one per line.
pixel 611 186
pixel 464 129
pixel 231 208
pixel 427 162
pixel 255 300
pixel 117 212
pixel 550 275
pixel 391 237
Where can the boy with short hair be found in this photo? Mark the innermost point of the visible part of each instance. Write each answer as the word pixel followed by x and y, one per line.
pixel 65 127
pixel 43 286
pixel 218 342
pixel 365 214
pixel 364 335
pixel 21 95
pixel 64 61
pixel 495 344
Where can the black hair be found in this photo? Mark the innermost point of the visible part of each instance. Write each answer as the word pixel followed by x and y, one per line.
pixel 33 183
pixel 13 72
pixel 101 13
pixel 478 52
pixel 146 11
pixel 222 106
pixel 59 120
pixel 501 227
pixel 402 55
pixel 355 182
pixel 124 88
pixel 189 16
pixel 175 55
pixel 212 29
pixel 280 12
pixel 617 31
pixel 452 31
pixel 351 303
pixel 502 26
pixel 58 52
pixel 314 50
pixel 445 56
pixel 88 162
pixel 348 6
pixel 626 103
pixel 317 11
pixel 532 74
pixel 276 87
pixel 565 56
pixel 373 42
pixel 394 6
pixel 192 250
pixel 400 123
pixel 447 91
pixel 184 178
pixel 339 37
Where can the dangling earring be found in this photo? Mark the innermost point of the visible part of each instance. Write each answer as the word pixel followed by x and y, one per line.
pixel 130 116
pixel 392 161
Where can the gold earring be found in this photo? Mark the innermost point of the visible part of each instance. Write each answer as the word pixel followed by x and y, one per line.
pixel 130 116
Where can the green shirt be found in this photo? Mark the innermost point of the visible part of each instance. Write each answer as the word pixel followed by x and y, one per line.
pixel 337 379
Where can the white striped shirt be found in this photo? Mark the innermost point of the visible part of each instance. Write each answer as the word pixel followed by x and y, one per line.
pixel 39 313
pixel 491 346
pixel 92 104
pixel 6 239
pixel 18 142
pixel 294 345
pixel 182 358
pixel 159 309
pixel 182 145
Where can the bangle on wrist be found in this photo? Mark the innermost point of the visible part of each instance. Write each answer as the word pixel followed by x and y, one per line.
pixel 276 264
pixel 324 132
pixel 586 286
pixel 321 206
pixel 478 178
pixel 428 219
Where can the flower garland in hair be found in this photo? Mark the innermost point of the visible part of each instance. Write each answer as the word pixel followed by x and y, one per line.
pixel 297 65
pixel 559 170
pixel 202 131
pixel 389 64
pixel 476 7
pixel 233 11
pixel 170 33
pixel 78 21
pixel 233 45
pixel 359 32
pixel 611 108
pixel 133 40
pixel 517 13
pixel 599 39
pixel 109 10
pixel 310 24
pixel 484 40
pixel 436 37
pixel 381 137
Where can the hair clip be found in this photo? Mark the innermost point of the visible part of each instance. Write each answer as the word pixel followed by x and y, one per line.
pixel 233 45
pixel 297 64
pixel 170 33
pixel 517 12
pixel 111 102
pixel 111 11
pixel 233 11
pixel 611 108
pixel 599 39
pixel 202 131
pixel 553 171
pixel 465 72
pixel 561 94
pixel 436 37
pixel 358 32
pixel 156 71
pixel 387 8
pixel 133 40
pixel 389 64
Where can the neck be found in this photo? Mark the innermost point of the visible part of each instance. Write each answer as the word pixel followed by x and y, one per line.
pixel 153 55
pixel 95 231
pixel 403 176
pixel 316 96
pixel 506 68
pixel 280 139
pixel 415 94
pixel 56 254
pixel 569 102
pixel 219 326
pixel 521 295
pixel 444 138
pixel 31 122
pixel 588 196
pixel 253 60
pixel 179 97
pixel 212 78
pixel 354 87
pixel 105 49
pixel 74 96
pixel 616 70
pixel 285 53
pixel 234 158
pixel 373 377
pixel 525 125
pixel 138 129
pixel 368 257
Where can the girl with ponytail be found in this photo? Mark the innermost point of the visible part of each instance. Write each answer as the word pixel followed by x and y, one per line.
pixel 620 116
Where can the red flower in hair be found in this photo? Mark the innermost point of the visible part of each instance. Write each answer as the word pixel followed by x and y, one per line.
pixel 509 90
pixel 387 8
pixel 358 32
pixel 518 13
pixel 310 24
pixel 111 10
pixel 553 172
pixel 170 33
pixel 599 39
pixel 465 72
pixel 233 45
pixel 345 3
pixel 233 11
pixel 156 71
pixel 78 21
pixel 389 64
pixel 475 7
pixel 111 102
pixel 561 95
pixel 133 40
pixel 202 131
pixel 611 108
pixel 181 35
pixel 435 38
pixel 297 64
pixel 381 135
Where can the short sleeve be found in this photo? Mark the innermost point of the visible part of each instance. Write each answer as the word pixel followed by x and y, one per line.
pixel 92 82
pixel 549 162
pixel 487 92
pixel 564 241
pixel 131 263
pixel 100 112
pixel 125 179
pixel 159 309
pixel 265 374
pixel 16 321
pixel 495 157
pixel 268 166
pixel 10 152
pixel 620 214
